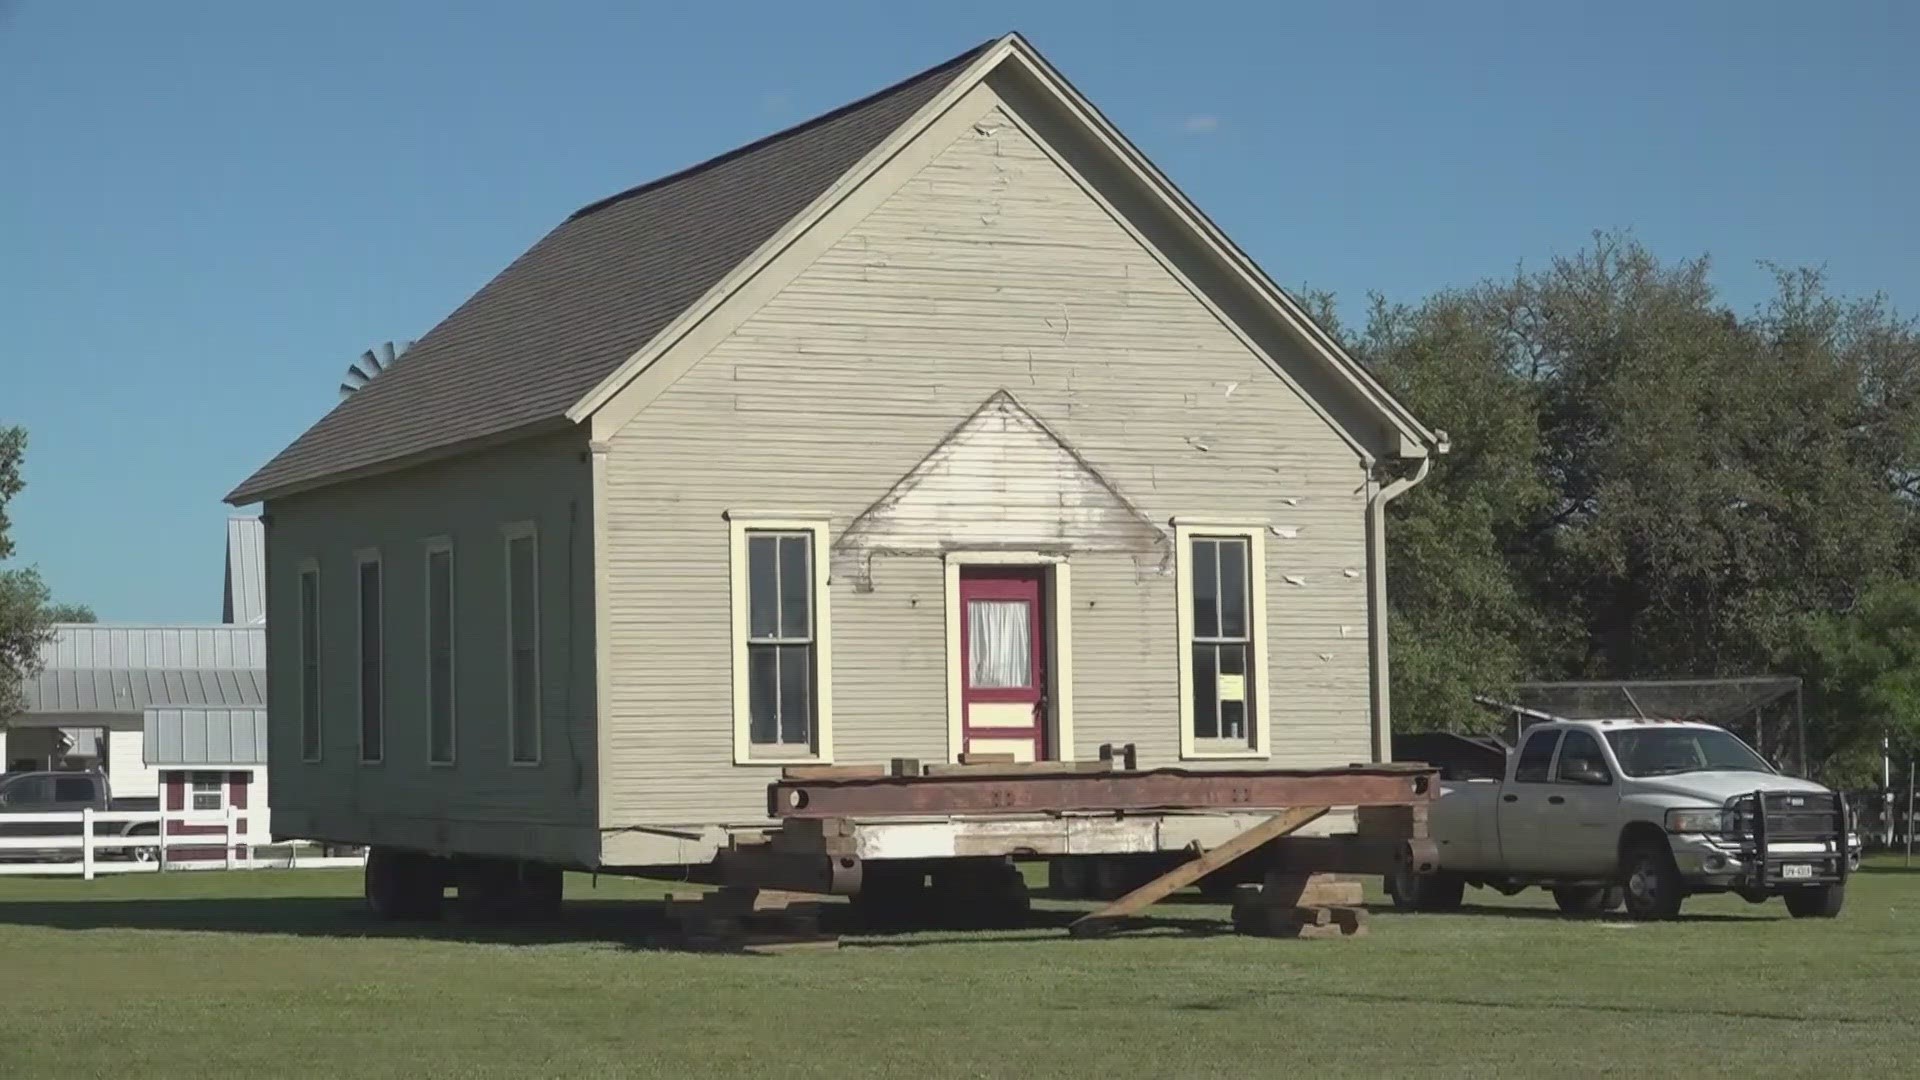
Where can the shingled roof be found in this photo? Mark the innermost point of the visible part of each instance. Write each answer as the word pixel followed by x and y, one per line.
pixel 574 307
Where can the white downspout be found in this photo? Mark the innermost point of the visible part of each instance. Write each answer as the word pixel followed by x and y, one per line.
pixel 1377 598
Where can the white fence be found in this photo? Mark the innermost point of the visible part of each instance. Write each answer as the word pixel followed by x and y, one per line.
pixel 103 843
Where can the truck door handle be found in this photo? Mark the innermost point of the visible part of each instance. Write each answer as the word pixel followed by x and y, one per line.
pixel 1556 799
pixel 1509 798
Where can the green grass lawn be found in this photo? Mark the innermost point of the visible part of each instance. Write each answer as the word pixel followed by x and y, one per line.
pixel 275 973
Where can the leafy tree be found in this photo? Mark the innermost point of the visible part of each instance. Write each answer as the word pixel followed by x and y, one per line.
pixel 1864 666
pixel 25 612
pixel 1644 483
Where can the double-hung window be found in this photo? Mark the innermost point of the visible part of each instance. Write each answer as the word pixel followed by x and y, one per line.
pixel 371 603
pixel 1222 612
pixel 782 677
pixel 209 791
pixel 439 643
pixel 523 643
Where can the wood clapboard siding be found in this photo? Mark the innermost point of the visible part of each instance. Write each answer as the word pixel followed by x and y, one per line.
pixel 989 270
pixel 466 499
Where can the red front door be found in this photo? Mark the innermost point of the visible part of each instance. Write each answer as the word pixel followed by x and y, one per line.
pixel 1003 654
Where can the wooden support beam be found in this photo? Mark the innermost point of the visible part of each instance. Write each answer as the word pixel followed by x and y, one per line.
pixel 1189 872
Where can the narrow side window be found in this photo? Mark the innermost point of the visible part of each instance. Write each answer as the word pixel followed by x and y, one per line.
pixel 440 663
pixel 309 631
pixel 372 656
pixel 523 644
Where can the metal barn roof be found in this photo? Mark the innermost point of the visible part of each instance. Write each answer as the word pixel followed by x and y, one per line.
pixel 178 737
pixel 245 600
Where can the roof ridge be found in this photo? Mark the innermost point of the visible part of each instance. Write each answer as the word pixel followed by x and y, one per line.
pixel 784 133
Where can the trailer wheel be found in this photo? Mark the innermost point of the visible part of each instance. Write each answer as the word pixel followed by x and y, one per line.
pixel 1816 901
pixel 1586 901
pixel 404 885
pixel 1425 892
pixel 1651 881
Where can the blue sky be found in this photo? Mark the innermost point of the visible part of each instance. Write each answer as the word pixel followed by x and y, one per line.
pixel 208 209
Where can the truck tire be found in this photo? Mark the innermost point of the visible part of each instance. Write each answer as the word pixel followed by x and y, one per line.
pixel 1816 901
pixel 1425 892
pixel 1586 901
pixel 1651 882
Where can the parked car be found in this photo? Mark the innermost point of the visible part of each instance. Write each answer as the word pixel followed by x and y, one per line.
pixel 1637 812
pixel 49 792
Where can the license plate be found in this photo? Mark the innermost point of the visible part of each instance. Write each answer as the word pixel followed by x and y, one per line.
pixel 1796 870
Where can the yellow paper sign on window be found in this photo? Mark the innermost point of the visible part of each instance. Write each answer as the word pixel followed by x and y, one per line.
pixel 1233 688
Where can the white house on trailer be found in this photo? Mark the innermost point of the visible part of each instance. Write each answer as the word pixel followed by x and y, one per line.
pixel 940 425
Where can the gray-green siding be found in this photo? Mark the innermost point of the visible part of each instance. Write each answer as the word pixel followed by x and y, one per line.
pixel 404 799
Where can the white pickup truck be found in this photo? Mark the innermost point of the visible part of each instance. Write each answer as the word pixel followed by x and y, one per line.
pixel 1640 812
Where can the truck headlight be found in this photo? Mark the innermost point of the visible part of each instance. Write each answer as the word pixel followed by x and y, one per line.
pixel 1702 820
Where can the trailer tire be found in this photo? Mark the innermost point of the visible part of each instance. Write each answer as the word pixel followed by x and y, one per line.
pixel 1650 881
pixel 1586 901
pixel 404 886
pixel 1816 901
pixel 1425 892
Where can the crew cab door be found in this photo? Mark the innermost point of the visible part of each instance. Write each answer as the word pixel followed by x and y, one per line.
pixel 1525 837
pixel 1581 810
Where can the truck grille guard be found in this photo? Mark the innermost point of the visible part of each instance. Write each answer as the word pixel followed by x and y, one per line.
pixel 1758 828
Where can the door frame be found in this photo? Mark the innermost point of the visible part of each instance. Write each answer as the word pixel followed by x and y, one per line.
pixel 1057 626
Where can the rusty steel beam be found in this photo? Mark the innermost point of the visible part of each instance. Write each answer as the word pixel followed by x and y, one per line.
pixel 1158 789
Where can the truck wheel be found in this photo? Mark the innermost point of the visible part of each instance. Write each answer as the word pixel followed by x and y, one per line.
pixel 1586 901
pixel 1425 892
pixel 1816 901
pixel 1652 882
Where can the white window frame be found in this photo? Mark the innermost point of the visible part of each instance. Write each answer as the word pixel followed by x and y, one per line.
pixel 1259 717
pixel 442 545
pixel 740 524
pixel 309 568
pixel 361 559
pixel 220 785
pixel 510 532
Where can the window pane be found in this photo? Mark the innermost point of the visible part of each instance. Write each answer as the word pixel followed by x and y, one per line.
pixel 1580 754
pixel 763 586
pixel 999 644
pixel 763 693
pixel 440 655
pixel 1206 590
pixel 1233 689
pixel 1535 756
pixel 525 585
pixel 796 587
pixel 1206 686
pixel 72 789
pixel 1233 588
pixel 371 695
pixel 310 665
pixel 796 694
pixel 526 706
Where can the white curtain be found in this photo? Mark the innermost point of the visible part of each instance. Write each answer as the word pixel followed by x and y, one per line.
pixel 999 646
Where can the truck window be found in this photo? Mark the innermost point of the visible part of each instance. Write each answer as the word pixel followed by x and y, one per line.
pixel 1581 761
pixel 29 791
pixel 1535 758
pixel 72 789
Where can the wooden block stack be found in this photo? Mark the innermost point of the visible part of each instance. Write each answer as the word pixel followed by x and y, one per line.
pixel 1300 906
pixel 748 920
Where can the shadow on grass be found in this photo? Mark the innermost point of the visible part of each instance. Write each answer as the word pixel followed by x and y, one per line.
pixel 1554 915
pixel 635 924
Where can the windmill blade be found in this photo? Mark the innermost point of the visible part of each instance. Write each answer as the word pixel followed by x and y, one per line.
pixel 386 359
